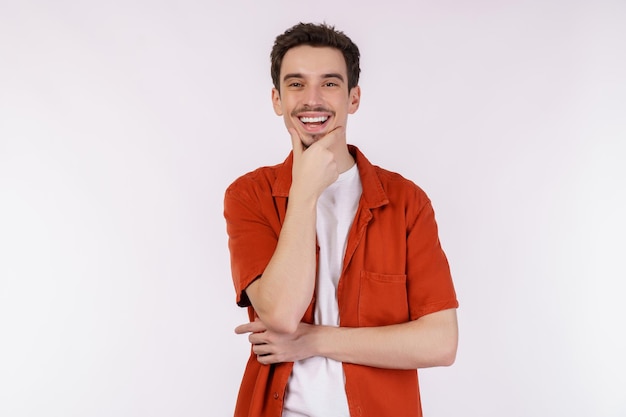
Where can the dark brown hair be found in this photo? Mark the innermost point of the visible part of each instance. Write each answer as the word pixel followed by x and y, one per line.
pixel 315 35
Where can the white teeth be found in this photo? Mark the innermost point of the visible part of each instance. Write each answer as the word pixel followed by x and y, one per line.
pixel 320 119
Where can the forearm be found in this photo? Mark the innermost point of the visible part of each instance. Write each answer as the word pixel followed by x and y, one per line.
pixel 426 342
pixel 283 293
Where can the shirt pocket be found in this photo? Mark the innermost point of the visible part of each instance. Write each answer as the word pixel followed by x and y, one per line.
pixel 383 299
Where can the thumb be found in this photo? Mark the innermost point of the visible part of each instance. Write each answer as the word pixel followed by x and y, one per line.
pixel 296 143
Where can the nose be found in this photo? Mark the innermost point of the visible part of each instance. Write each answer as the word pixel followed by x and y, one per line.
pixel 313 96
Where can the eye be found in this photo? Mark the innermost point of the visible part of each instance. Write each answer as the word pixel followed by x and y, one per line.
pixel 295 84
pixel 331 84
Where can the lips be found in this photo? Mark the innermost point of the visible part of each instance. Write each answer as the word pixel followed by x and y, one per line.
pixel 313 119
pixel 314 125
pixel 318 119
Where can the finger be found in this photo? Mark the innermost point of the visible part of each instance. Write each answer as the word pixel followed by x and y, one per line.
pixel 261 350
pixel 296 142
pixel 242 328
pixel 257 338
pixel 270 358
pixel 254 327
pixel 265 359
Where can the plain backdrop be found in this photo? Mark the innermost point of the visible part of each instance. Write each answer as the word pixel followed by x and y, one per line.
pixel 122 123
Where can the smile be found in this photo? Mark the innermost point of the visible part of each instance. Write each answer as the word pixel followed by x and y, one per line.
pixel 319 119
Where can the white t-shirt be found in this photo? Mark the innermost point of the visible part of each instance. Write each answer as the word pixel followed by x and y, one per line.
pixel 316 386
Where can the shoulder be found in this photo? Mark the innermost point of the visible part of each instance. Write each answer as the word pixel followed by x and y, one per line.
pixel 257 181
pixel 399 188
pixel 383 186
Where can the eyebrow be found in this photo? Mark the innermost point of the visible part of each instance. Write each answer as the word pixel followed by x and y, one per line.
pixel 329 75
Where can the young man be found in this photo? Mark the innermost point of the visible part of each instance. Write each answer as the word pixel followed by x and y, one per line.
pixel 338 261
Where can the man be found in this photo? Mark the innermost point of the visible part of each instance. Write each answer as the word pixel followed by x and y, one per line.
pixel 338 261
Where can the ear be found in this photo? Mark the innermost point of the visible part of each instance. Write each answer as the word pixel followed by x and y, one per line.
pixel 276 102
pixel 355 99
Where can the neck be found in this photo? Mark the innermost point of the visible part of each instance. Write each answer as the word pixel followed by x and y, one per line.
pixel 344 159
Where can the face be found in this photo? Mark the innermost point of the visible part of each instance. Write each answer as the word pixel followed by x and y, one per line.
pixel 314 96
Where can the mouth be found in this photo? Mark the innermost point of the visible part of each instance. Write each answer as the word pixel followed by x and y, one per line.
pixel 314 124
pixel 319 120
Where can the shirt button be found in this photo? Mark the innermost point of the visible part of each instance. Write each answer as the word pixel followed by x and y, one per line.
pixel 275 395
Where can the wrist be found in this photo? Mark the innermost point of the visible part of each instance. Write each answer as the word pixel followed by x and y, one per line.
pixel 302 198
pixel 322 340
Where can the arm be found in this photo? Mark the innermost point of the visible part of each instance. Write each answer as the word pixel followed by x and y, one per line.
pixel 428 341
pixel 284 291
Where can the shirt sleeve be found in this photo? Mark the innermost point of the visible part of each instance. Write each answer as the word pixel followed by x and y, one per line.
pixel 252 238
pixel 430 283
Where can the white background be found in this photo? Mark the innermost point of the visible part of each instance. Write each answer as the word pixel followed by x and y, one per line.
pixel 122 122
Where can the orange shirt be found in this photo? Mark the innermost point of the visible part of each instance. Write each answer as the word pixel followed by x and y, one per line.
pixel 394 271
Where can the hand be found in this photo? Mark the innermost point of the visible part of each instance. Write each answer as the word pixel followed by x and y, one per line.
pixel 314 168
pixel 272 347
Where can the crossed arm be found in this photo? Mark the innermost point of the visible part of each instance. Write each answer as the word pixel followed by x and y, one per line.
pixel 428 341
pixel 282 295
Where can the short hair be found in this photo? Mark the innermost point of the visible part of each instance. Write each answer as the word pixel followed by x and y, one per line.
pixel 315 35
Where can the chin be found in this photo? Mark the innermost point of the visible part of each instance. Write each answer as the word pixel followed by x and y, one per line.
pixel 308 138
pixel 311 139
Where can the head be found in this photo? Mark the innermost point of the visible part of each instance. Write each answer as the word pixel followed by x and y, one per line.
pixel 315 35
pixel 315 71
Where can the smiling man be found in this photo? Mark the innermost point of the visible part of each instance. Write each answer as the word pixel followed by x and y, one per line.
pixel 338 261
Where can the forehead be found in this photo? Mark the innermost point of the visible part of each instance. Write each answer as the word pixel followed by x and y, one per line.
pixel 313 61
